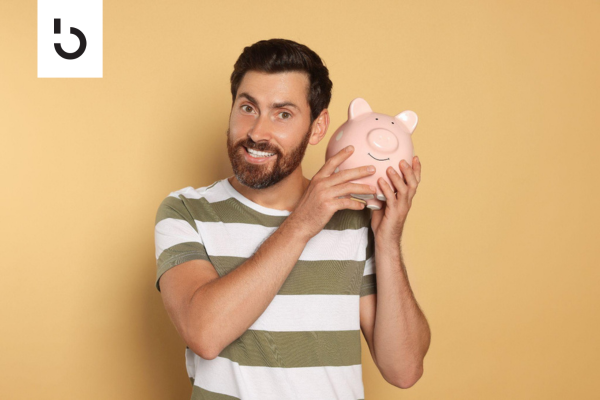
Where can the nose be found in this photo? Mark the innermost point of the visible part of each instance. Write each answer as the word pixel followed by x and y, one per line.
pixel 260 130
pixel 382 140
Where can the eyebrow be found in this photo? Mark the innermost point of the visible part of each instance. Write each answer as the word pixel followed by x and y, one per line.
pixel 274 105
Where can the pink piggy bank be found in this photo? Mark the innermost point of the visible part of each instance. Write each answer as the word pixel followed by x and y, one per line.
pixel 378 140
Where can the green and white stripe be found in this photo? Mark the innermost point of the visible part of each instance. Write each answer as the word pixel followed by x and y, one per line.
pixel 306 344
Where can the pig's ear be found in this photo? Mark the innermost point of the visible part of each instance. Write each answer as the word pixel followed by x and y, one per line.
pixel 409 119
pixel 357 107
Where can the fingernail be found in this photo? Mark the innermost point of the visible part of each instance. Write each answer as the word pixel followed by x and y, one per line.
pixel 373 188
pixel 392 171
pixel 371 168
pixel 417 157
pixel 349 148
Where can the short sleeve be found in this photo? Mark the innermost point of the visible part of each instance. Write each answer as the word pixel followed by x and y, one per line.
pixel 369 282
pixel 176 237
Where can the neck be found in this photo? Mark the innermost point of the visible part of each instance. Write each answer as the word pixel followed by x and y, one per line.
pixel 284 195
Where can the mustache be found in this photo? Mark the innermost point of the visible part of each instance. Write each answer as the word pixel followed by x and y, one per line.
pixel 253 145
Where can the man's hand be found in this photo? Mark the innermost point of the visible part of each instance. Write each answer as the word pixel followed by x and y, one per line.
pixel 329 192
pixel 389 220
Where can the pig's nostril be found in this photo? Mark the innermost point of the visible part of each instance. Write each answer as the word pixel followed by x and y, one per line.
pixel 382 140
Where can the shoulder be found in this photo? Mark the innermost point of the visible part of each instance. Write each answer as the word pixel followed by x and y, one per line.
pixel 181 203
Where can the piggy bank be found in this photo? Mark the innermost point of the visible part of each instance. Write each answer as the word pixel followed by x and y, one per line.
pixel 379 140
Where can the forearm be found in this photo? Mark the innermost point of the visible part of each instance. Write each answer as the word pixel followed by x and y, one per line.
pixel 226 307
pixel 401 335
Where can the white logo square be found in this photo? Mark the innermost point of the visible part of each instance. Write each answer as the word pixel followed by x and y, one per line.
pixel 69 39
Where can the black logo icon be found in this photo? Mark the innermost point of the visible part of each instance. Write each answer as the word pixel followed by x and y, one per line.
pixel 73 31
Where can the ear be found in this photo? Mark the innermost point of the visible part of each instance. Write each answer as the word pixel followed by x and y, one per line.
pixel 409 119
pixel 357 107
pixel 320 126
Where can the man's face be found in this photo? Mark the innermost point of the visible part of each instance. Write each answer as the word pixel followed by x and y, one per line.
pixel 270 114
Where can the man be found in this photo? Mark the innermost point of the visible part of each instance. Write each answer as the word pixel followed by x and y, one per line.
pixel 268 276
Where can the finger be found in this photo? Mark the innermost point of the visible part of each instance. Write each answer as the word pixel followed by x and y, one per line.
pixel 397 181
pixel 361 201
pixel 387 190
pixel 332 163
pixel 416 166
pixel 353 188
pixel 351 174
pixel 409 175
pixel 350 203
pixel 413 182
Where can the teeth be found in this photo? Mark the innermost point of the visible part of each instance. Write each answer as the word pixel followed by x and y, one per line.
pixel 259 153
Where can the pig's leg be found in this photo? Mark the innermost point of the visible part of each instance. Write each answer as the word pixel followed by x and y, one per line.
pixel 374 204
pixel 372 201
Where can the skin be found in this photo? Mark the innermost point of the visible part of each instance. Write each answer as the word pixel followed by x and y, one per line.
pixel 399 332
pixel 392 323
pixel 389 220
pixel 285 130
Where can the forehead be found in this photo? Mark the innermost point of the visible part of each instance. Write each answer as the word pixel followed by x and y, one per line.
pixel 279 87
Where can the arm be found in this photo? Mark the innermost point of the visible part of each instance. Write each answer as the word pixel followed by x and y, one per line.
pixel 401 334
pixel 221 309
pixel 224 308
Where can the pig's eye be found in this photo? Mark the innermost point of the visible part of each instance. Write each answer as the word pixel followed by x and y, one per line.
pixel 376 119
pixel 392 122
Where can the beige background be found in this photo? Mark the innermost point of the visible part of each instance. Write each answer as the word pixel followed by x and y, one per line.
pixel 499 243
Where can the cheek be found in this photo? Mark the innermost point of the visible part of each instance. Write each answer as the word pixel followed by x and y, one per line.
pixel 287 136
pixel 235 123
pixel 284 143
pixel 239 119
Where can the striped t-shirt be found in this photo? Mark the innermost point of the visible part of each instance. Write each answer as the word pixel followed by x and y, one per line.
pixel 306 344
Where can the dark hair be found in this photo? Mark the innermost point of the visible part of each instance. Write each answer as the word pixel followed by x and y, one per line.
pixel 281 55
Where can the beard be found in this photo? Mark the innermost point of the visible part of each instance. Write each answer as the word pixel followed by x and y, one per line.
pixel 261 176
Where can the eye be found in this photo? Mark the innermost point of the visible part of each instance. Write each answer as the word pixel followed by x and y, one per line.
pixel 376 119
pixel 246 105
pixel 285 112
pixel 392 122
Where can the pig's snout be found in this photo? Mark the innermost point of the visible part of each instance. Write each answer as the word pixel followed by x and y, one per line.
pixel 382 140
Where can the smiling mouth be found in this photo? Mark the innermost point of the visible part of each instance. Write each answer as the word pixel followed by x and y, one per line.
pixel 378 158
pixel 262 151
